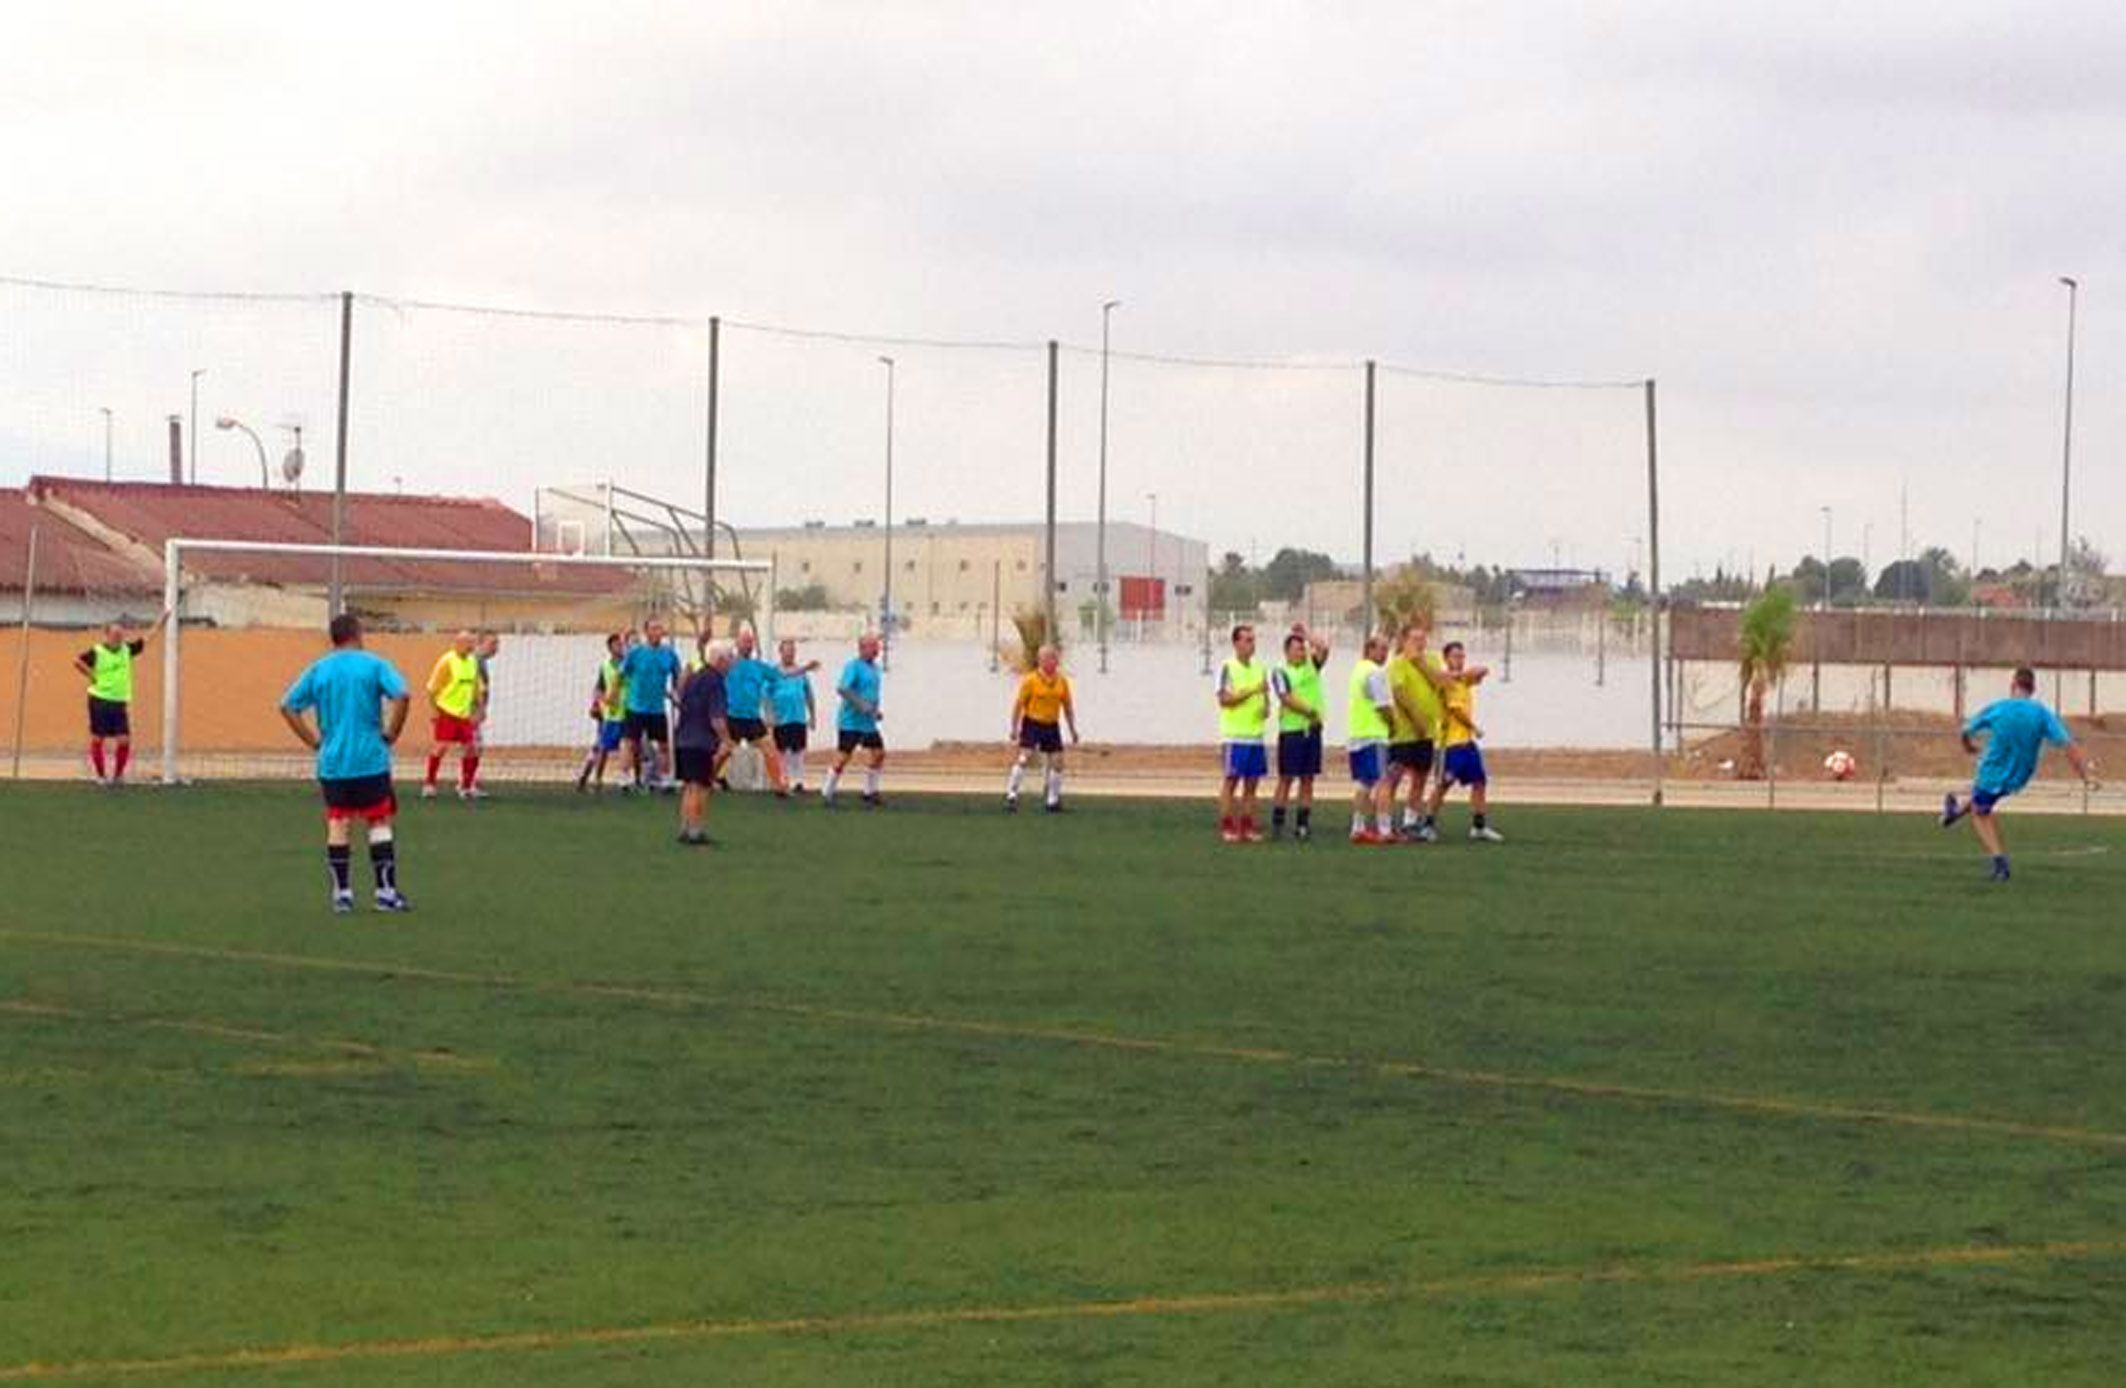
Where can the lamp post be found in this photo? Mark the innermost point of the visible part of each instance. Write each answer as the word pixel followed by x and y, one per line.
pixel 197 372
pixel 2067 442
pixel 886 601
pixel 1107 310
pixel 227 422
pixel 106 441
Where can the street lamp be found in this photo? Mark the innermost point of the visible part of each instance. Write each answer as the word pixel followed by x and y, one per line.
pixel 886 602
pixel 227 422
pixel 197 372
pixel 1107 310
pixel 2067 440
pixel 106 441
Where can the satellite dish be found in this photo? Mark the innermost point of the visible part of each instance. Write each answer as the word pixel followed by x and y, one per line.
pixel 292 466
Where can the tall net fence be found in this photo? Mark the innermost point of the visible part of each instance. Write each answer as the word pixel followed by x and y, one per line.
pixel 902 483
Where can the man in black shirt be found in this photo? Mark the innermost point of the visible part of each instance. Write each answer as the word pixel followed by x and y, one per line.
pixel 702 728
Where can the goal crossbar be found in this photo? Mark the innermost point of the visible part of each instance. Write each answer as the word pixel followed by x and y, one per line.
pixel 176 547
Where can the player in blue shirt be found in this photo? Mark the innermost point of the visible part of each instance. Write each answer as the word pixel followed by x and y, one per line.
pixel 652 673
pixel 790 699
pixel 2017 729
pixel 349 692
pixel 750 684
pixel 856 724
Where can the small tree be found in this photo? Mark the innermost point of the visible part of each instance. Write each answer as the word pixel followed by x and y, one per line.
pixel 1032 627
pixel 1766 641
pixel 1404 594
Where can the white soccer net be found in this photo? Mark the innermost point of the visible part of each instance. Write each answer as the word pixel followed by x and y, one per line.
pixel 251 616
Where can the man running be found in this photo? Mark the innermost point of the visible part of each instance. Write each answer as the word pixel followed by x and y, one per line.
pixel 703 727
pixel 360 705
pixel 108 667
pixel 652 673
pixel 1243 713
pixel 1296 686
pixel 1039 712
pixel 2017 730
pixel 608 713
pixel 454 701
pixel 795 712
pixel 857 723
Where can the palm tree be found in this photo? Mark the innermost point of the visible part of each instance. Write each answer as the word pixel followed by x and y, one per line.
pixel 1766 640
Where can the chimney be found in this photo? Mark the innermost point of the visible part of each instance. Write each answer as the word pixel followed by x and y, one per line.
pixel 177 450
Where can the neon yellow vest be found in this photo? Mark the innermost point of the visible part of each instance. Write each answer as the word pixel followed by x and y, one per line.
pixel 1244 721
pixel 613 686
pixel 1305 682
pixel 1368 724
pixel 113 680
pixel 458 695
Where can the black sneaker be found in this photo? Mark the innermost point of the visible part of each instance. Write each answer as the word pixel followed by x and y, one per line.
pixel 874 802
pixel 393 903
pixel 1011 804
pixel 1054 807
pixel 1303 834
pixel 343 903
pixel 1999 873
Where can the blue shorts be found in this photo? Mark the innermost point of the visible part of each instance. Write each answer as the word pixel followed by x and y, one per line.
pixel 1983 800
pixel 1369 764
pixel 1246 761
pixel 1464 765
pixel 1299 753
pixel 610 733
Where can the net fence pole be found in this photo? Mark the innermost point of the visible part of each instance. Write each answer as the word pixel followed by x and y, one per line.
pixel 22 657
pixel 708 499
pixel 1048 564
pixel 1365 623
pixel 171 578
pixel 1653 580
pixel 336 591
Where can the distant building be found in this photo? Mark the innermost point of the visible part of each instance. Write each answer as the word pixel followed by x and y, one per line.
pixel 946 575
pixel 1559 587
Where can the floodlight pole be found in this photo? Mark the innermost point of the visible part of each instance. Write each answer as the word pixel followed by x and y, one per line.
pixel 2067 444
pixel 1653 577
pixel 193 426
pixel 1049 563
pixel 708 498
pixel 886 601
pixel 336 593
pixel 1107 310
pixel 1366 585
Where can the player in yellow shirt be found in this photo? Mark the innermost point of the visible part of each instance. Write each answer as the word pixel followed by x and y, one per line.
pixel 457 696
pixel 1462 761
pixel 1039 714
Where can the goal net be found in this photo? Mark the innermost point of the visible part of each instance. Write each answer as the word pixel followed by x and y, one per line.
pixel 249 616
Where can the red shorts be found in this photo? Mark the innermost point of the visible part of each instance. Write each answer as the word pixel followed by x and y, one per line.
pixel 451 728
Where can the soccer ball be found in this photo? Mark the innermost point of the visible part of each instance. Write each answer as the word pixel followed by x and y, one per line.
pixel 1841 765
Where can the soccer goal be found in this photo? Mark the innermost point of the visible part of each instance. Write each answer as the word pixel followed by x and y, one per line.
pixel 250 615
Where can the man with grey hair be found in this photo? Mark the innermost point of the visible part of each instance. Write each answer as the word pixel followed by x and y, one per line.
pixel 703 727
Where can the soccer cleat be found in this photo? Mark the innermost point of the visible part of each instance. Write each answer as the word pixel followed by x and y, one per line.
pixel 1053 807
pixel 1487 834
pixel 874 802
pixel 695 838
pixel 1011 804
pixel 392 903
pixel 1951 810
pixel 1426 833
pixel 428 791
pixel 343 903
pixel 1999 873
pixel 1227 833
pixel 1303 834
pixel 1249 833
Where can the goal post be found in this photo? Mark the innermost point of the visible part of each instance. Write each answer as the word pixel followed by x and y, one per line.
pixel 256 611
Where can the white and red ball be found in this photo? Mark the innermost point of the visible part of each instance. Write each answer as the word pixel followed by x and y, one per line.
pixel 1841 765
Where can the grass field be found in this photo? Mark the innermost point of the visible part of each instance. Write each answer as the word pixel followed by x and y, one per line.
pixel 933 1096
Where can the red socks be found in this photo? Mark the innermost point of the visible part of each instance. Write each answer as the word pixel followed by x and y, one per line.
pixel 125 754
pixel 468 771
pixel 435 766
pixel 96 758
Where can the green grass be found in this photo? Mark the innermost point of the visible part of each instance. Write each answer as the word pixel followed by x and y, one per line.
pixel 1636 1098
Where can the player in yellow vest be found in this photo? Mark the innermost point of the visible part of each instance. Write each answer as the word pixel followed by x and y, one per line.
pixel 1366 742
pixel 1039 713
pixel 1461 761
pixel 108 667
pixel 1296 686
pixel 1243 714
pixel 1419 682
pixel 457 700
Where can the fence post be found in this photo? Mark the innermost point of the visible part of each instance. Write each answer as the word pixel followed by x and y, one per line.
pixel 22 659
pixel 170 638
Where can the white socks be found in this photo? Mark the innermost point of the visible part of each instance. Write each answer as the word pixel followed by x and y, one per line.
pixel 1018 775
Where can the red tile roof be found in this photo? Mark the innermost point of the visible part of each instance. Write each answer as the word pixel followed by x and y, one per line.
pixel 149 513
pixel 69 559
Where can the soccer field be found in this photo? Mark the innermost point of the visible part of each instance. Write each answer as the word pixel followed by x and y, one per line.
pixel 936 1096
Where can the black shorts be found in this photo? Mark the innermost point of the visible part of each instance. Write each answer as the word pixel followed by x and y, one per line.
pixel 1036 736
pixel 695 765
pixel 1299 754
pixel 747 729
pixel 359 797
pixel 1415 755
pixel 848 741
pixel 109 718
pixel 789 737
pixel 654 726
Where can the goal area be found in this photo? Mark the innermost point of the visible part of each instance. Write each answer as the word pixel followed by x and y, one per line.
pixel 250 615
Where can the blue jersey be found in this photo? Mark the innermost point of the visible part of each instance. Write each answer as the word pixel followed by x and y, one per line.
pixel 348 689
pixel 746 685
pixel 2018 730
pixel 650 671
pixel 860 677
pixel 792 696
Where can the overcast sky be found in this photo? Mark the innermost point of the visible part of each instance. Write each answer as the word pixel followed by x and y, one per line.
pixel 1832 231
